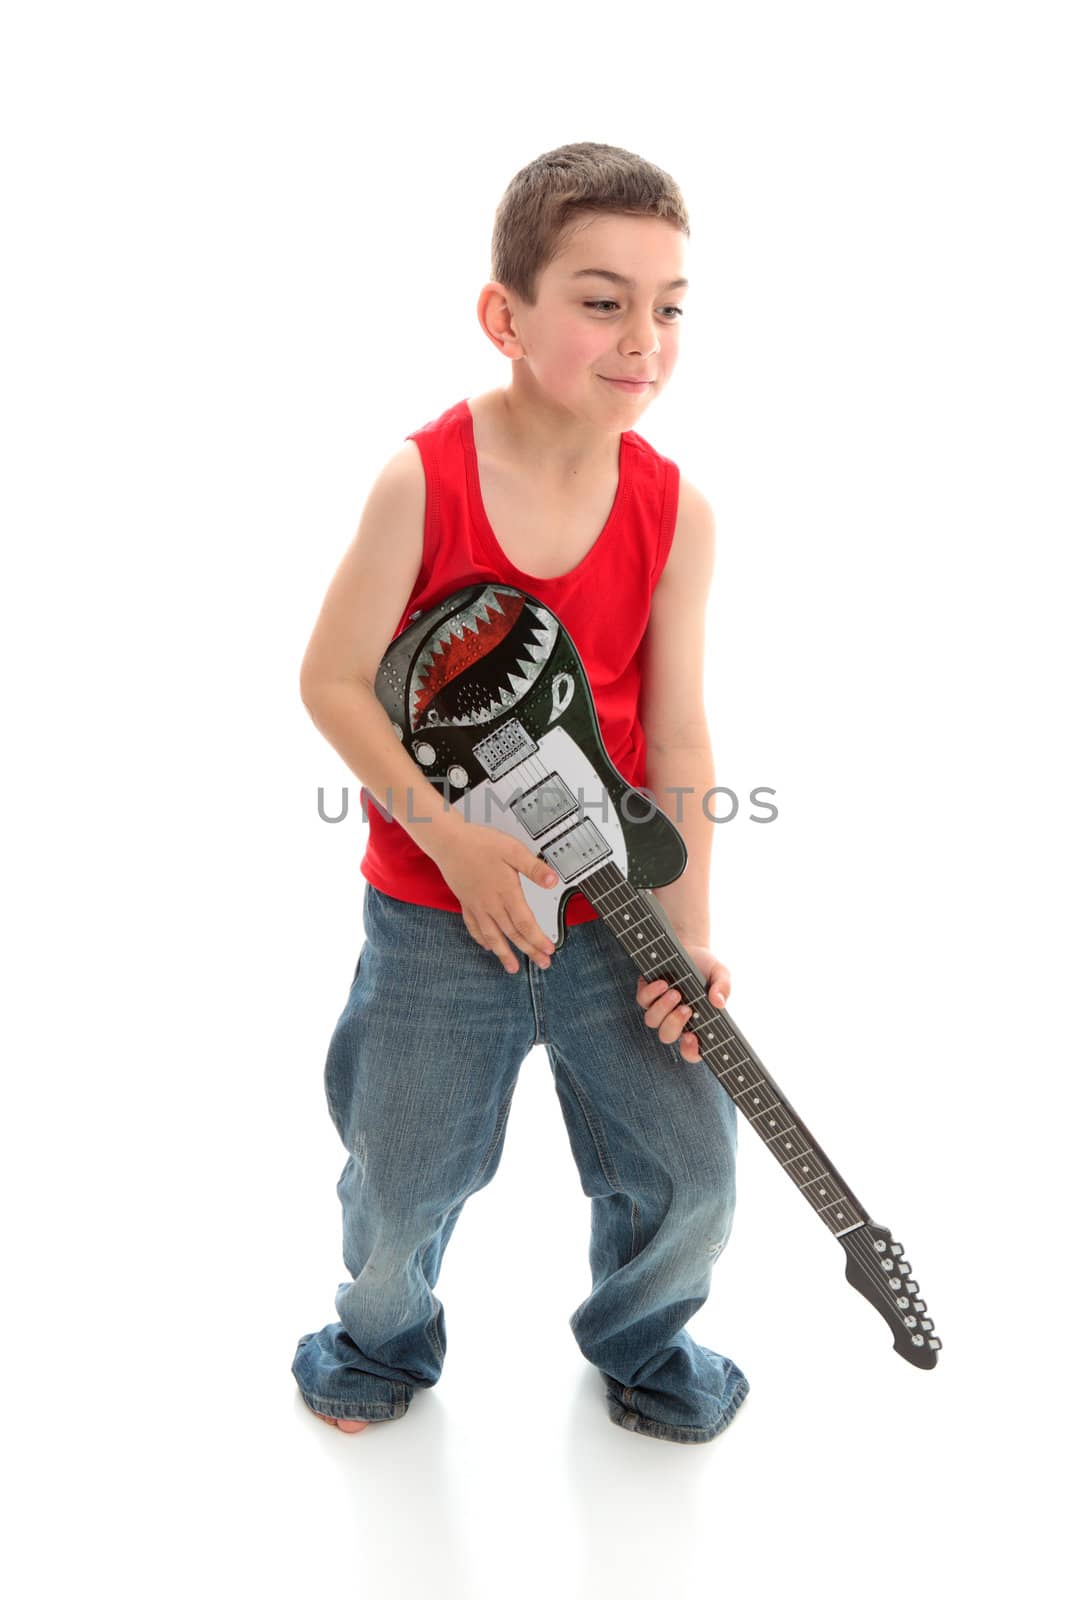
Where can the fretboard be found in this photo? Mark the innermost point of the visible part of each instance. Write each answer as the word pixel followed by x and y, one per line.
pixel 640 924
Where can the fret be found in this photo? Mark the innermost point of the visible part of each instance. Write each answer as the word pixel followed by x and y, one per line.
pixel 824 1193
pixel 773 1120
pixel 759 1101
pixel 801 1163
pixel 809 1170
pixel 843 1214
pixel 752 1096
pixel 745 1077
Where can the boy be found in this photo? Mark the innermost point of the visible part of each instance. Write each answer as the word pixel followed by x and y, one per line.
pixel 546 486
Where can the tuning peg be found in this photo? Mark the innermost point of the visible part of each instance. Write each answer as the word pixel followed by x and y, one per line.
pixel 919 1305
pixel 896 1250
pixel 903 1266
pixel 911 1286
pixel 934 1344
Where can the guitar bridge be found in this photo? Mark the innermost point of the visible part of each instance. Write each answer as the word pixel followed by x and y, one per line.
pixel 506 747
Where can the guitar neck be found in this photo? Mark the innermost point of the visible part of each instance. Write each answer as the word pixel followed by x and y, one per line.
pixel 639 922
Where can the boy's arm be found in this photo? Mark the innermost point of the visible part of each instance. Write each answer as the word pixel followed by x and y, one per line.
pixel 359 615
pixel 679 750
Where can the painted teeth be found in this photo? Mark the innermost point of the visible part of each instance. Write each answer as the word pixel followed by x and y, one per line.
pixel 456 626
pixel 534 653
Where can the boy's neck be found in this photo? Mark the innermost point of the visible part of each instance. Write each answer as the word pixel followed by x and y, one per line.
pixel 542 438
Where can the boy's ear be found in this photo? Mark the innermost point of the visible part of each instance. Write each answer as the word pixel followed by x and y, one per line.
pixel 496 314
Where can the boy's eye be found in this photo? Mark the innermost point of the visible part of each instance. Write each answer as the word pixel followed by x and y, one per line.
pixel 596 305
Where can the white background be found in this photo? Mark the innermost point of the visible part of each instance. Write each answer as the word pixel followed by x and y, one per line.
pixel 244 249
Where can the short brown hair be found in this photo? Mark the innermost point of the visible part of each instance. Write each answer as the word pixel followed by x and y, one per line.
pixel 545 200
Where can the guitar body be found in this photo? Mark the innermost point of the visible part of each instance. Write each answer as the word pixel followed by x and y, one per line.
pixel 490 697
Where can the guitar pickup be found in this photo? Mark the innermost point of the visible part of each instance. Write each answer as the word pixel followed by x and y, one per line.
pixel 546 803
pixel 574 851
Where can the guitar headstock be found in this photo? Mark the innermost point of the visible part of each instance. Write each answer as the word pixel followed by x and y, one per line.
pixel 876 1266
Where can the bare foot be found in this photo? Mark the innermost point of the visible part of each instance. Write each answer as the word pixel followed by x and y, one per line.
pixel 346 1424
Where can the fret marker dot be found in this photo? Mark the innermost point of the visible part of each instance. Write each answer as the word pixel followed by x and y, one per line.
pixel 805 1169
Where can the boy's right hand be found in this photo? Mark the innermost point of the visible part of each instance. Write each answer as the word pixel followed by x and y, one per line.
pixel 482 866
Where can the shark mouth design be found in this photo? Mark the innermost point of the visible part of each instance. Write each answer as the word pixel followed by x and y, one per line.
pixel 480 661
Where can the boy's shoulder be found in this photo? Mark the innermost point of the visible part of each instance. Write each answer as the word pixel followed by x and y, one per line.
pixel 451 418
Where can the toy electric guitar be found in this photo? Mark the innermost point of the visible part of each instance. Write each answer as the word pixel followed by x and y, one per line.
pixel 490 696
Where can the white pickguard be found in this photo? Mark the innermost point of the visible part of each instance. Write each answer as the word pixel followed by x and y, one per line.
pixel 556 752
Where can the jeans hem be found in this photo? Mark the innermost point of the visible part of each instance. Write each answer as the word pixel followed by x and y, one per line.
pixel 623 1417
pixel 375 1412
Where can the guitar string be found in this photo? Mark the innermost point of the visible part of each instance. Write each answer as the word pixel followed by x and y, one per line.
pixel 842 1194
pixel 862 1258
pixel 540 771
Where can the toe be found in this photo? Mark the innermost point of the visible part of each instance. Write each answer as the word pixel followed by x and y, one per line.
pixel 345 1424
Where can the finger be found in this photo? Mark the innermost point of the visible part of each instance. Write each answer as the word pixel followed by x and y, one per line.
pixel 689 1045
pixel 538 870
pixel 673 1024
pixel 492 929
pixel 648 992
pixel 531 866
pixel 688 1049
pixel 661 1008
pixel 531 937
pixel 524 937
pixel 493 939
pixel 720 986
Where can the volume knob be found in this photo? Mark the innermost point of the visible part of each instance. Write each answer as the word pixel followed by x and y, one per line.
pixel 424 754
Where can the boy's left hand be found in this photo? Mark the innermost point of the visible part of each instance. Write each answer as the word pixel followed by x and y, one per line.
pixel 667 1011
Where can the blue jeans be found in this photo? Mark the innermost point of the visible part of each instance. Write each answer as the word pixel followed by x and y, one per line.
pixel 419 1078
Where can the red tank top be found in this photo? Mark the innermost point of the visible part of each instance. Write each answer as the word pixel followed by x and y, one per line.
pixel 603 603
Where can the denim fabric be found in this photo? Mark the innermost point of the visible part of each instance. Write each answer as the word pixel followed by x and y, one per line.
pixel 419 1078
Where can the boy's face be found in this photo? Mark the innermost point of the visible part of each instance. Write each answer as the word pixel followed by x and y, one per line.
pixel 586 330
